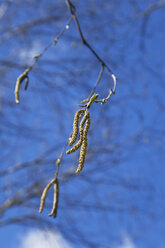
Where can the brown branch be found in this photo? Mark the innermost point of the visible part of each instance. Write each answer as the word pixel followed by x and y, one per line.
pixel 91 98
pixel 97 82
pixel 24 75
pixel 73 13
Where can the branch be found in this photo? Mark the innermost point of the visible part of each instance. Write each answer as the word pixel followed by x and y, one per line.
pixel 146 15
pixel 73 13
pixel 24 75
pixel 93 97
pixel 82 133
pixel 153 7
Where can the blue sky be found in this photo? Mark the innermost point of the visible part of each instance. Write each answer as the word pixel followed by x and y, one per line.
pixel 118 199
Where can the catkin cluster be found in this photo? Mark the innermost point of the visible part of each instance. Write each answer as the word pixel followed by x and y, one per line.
pixel 83 131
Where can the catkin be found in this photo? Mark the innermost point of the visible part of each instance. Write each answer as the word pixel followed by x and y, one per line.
pixel 83 146
pixel 87 126
pixel 82 142
pixel 75 147
pixel 82 156
pixel 79 143
pixel 56 199
pixel 77 117
pixel 20 79
pixel 44 194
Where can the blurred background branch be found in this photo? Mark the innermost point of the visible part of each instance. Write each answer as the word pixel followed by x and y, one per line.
pixel 121 188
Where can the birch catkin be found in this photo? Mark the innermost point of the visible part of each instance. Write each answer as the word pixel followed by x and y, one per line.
pixel 56 199
pixel 44 194
pixel 79 143
pixel 20 79
pixel 77 117
pixel 82 142
pixel 83 147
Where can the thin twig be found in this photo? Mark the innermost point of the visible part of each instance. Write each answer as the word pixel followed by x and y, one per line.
pixel 24 75
pixel 97 82
pixel 152 7
pixel 73 13
pixel 54 42
pixel 104 100
pixel 58 161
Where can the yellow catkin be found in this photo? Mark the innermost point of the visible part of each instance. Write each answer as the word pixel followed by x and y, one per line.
pixel 82 156
pixel 79 143
pixel 87 126
pixel 44 194
pixel 77 117
pixel 83 146
pixel 56 199
pixel 75 147
pixel 20 79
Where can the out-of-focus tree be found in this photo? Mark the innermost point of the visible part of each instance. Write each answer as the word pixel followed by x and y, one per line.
pixel 121 186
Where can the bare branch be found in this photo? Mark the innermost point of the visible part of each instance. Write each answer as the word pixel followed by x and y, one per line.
pixel 82 142
pixel 73 13
pixel 153 7
pixel 24 75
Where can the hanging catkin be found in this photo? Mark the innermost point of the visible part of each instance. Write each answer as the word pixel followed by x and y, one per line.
pixel 77 117
pixel 44 194
pixel 79 143
pixel 83 146
pixel 56 199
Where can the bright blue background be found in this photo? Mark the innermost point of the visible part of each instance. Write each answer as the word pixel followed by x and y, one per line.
pixel 121 189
